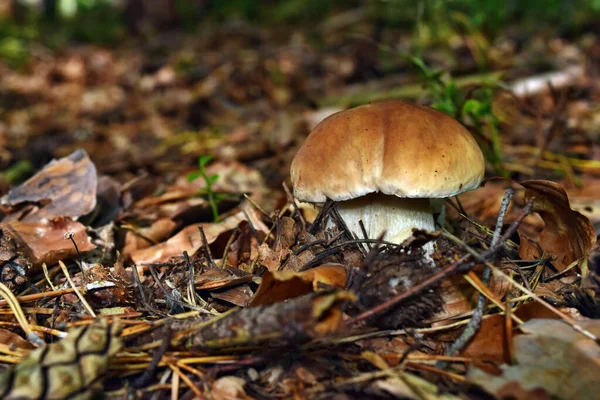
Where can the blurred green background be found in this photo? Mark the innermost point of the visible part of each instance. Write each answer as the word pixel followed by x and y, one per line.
pixel 55 23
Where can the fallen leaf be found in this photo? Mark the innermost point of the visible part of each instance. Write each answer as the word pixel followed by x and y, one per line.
pixel 238 295
pixel 219 278
pixel 409 386
pixel 552 356
pixel 489 343
pixel 47 241
pixel 567 233
pixel 13 340
pixel 189 239
pixel 64 187
pixel 277 286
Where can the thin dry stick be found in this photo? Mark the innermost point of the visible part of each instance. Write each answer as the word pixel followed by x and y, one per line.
pixel 138 284
pixel 47 276
pixel 39 296
pixel 191 288
pixel 228 246
pixel 187 380
pixel 85 304
pixel 206 248
pixel 473 326
pixel 459 266
pixel 32 337
pixel 497 272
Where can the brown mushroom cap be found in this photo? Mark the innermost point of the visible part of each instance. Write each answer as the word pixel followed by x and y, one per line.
pixel 391 147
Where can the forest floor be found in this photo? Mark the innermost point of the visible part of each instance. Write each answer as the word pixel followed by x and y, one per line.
pixel 145 282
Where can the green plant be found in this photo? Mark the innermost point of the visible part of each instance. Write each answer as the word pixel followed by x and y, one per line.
pixel 470 107
pixel 213 198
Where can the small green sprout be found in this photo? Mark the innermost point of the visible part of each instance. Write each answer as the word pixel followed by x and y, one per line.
pixel 213 198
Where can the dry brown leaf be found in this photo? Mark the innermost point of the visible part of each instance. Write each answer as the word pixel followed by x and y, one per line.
pixel 551 356
pixel 189 239
pixel 489 343
pixel 65 187
pixel 238 295
pixel 145 237
pixel 460 296
pixel 47 241
pixel 219 278
pixel 12 339
pixel 277 286
pixel 567 233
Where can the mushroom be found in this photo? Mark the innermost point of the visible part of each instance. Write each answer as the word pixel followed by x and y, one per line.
pixel 383 162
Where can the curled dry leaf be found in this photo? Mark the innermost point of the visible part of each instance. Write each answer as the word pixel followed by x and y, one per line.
pixel 567 233
pixel 64 187
pixel 279 286
pixel 47 241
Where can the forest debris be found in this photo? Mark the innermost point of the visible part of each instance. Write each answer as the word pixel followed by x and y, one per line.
pixel 137 238
pixel 229 388
pixel 219 278
pixel 292 321
pixel 73 366
pixel 534 85
pixel 550 356
pixel 64 187
pixel 567 233
pixel 393 272
pixel 278 286
pixel 14 265
pixel 47 241
pixel 489 343
pixel 404 385
pixel 13 340
pixel 188 239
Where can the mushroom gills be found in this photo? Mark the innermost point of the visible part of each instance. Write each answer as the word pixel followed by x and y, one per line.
pixel 379 212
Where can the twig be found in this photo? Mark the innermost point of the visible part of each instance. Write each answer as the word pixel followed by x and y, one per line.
pixel 459 266
pixel 475 323
pixel 337 248
pixel 191 287
pixel 146 376
pixel 32 337
pixel 252 228
pixel 227 246
pixel 257 206
pixel 206 248
pixel 364 232
pixel 136 280
pixel 323 213
pixel 85 304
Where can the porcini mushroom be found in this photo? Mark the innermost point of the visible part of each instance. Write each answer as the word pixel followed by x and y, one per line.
pixel 383 162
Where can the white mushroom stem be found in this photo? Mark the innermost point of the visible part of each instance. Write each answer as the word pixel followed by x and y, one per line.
pixel 395 215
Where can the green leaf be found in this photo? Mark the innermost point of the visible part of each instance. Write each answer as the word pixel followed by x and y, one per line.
pixel 212 179
pixel 472 107
pixel 192 176
pixel 205 159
